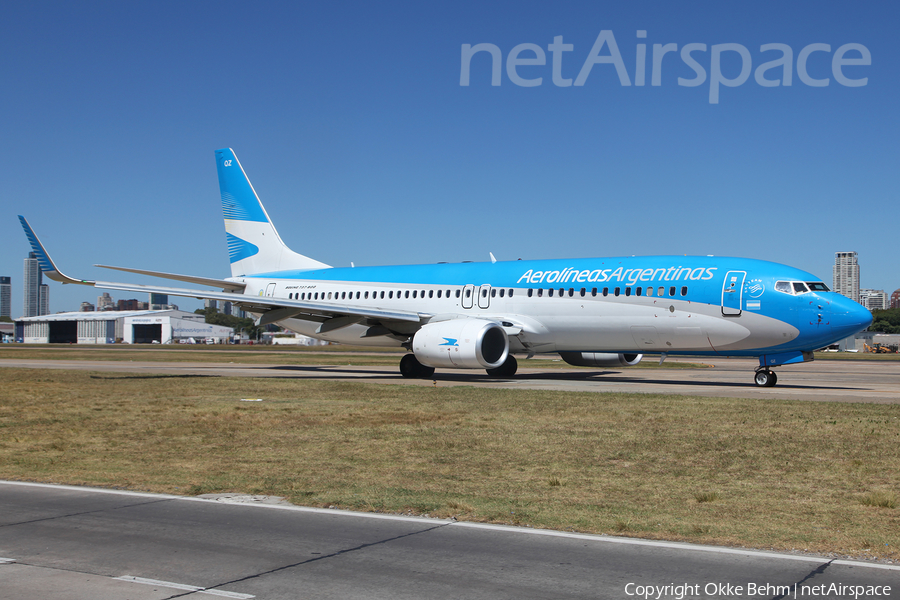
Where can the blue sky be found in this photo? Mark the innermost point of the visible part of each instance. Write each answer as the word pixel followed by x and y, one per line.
pixel 352 124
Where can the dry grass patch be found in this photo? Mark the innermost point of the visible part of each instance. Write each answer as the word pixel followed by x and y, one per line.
pixel 774 474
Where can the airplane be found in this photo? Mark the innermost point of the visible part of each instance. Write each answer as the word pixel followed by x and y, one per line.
pixel 594 312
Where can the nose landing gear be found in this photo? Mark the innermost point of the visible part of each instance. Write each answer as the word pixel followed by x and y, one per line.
pixel 765 378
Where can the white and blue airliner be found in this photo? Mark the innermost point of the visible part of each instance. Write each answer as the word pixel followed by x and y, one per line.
pixel 596 312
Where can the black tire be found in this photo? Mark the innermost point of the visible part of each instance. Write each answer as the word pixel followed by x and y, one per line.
pixel 411 367
pixel 507 369
pixel 765 378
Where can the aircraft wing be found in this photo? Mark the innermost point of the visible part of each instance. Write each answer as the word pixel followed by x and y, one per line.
pixel 229 286
pixel 332 316
pixel 273 309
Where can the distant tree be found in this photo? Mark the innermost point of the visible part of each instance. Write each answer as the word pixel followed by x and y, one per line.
pixel 5 319
pixel 214 317
pixel 886 321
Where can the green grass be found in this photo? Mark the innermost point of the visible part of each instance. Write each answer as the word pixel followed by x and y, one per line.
pixel 821 477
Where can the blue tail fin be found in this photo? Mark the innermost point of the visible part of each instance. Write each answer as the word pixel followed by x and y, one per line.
pixel 254 245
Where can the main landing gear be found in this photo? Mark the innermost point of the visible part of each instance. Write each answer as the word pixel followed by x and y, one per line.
pixel 411 367
pixel 765 378
pixel 507 369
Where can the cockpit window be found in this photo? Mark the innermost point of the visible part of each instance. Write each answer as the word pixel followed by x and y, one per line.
pixel 795 288
pixel 784 286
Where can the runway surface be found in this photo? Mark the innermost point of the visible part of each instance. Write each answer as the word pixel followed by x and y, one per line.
pixel 823 380
pixel 78 543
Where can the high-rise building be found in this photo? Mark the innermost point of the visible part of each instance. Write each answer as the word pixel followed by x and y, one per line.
pixel 211 304
pixel 34 298
pixel 105 302
pixel 5 297
pixel 44 299
pixel 895 299
pixel 846 274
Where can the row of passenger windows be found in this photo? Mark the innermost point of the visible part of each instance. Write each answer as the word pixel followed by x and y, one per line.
pixel 638 291
pixel 502 293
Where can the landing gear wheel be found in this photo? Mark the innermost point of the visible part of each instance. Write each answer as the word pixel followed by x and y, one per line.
pixel 411 367
pixel 765 378
pixel 507 369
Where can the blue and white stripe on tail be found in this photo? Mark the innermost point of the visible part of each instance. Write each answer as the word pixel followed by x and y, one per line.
pixel 253 244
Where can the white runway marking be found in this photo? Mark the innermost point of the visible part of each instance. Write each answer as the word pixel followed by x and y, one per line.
pixel 182 586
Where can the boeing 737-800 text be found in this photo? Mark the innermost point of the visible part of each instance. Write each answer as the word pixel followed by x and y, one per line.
pixel 599 312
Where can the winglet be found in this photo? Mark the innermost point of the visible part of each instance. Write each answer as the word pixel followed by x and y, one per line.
pixel 47 267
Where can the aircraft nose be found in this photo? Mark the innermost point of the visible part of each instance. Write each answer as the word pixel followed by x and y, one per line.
pixel 848 317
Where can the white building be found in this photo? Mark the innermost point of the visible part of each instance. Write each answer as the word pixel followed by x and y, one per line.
pixel 874 299
pixel 129 327
pixel 846 274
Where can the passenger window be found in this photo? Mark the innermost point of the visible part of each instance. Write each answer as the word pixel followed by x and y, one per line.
pixel 502 292
pixel 672 291
pixel 571 292
pixel 562 292
pixel 530 291
pixel 583 292
pixel 510 292
pixel 468 293
pixel 431 293
pixel 540 292
pixel 439 293
pixel 662 291
pixel 391 294
pixel 627 291
pixel 649 291
pixel 684 291
pixel 638 291
pixel 357 295
pixel 493 293
pixel 606 291
pixel 616 292
pixel 457 294
pixel 550 292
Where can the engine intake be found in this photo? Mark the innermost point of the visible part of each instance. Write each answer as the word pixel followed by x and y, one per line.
pixel 461 344
pixel 601 359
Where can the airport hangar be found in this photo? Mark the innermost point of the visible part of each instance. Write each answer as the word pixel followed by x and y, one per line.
pixel 127 326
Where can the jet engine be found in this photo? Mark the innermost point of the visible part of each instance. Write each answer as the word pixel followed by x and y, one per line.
pixel 461 344
pixel 601 359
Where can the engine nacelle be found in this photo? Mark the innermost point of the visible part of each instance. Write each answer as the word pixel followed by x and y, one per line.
pixel 461 344
pixel 601 359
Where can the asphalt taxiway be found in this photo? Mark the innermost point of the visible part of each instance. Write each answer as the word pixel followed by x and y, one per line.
pixel 59 542
pixel 822 380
